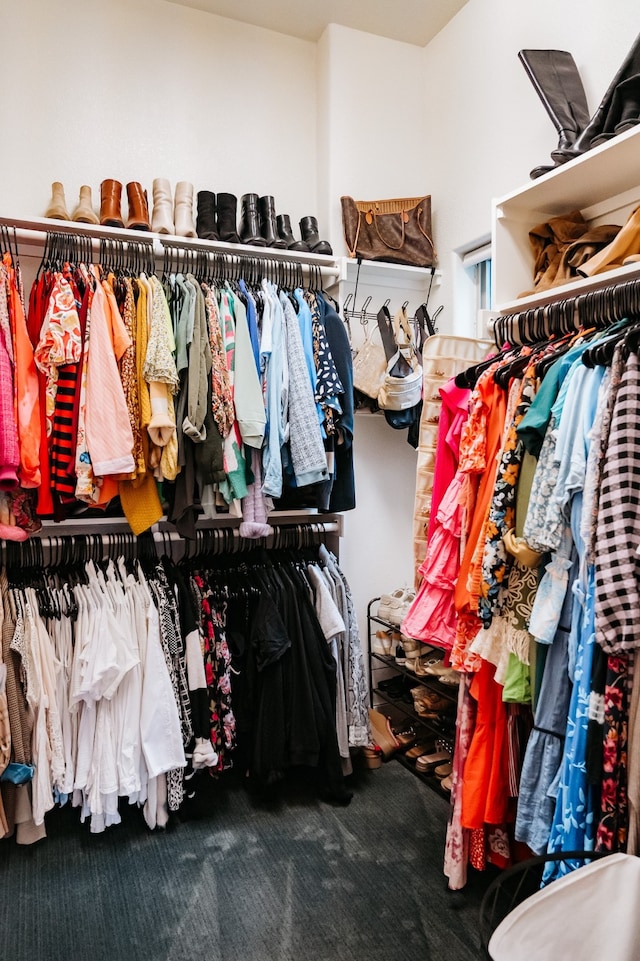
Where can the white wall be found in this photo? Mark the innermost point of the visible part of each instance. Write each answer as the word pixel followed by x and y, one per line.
pixel 145 89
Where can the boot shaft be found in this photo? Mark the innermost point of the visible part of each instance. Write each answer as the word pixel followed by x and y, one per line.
pixel 206 219
pixel 110 203
pixel 268 229
pixel 162 218
pixel 310 235
pixel 183 212
pixel 249 228
pixel 227 205
pixel 57 209
pixel 285 232
pixel 138 218
pixel 84 212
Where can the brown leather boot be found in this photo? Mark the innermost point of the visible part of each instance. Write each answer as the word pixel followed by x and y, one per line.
pixel 138 218
pixel 110 197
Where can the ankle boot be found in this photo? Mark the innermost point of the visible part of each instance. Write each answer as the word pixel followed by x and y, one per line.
pixel 57 209
pixel 227 213
pixel 162 218
pixel 310 235
pixel 285 233
pixel 183 213
pixel 84 212
pixel 557 82
pixel 110 200
pixel 249 222
pixel 625 244
pixel 268 223
pixel 138 218
pixel 206 221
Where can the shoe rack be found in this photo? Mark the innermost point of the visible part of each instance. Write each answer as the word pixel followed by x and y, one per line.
pixel 401 709
pixel 603 183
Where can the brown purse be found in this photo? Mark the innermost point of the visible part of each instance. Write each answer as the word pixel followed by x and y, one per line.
pixel 396 231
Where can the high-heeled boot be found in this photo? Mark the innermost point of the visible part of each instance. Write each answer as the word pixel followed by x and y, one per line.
pixel 557 82
pixel 138 218
pixel 84 212
pixel 162 217
pixel 57 209
pixel 227 207
pixel 310 235
pixel 206 220
pixel 285 233
pixel 110 204
pixel 183 213
pixel 268 223
pixel 249 229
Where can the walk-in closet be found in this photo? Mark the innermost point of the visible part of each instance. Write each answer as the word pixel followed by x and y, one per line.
pixel 319 512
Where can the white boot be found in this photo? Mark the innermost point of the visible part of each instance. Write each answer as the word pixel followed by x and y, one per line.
pixel 57 208
pixel 183 212
pixel 162 219
pixel 84 212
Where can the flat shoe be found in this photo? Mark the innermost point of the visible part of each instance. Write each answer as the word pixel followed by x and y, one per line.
pixel 422 747
pixel 446 783
pixel 443 770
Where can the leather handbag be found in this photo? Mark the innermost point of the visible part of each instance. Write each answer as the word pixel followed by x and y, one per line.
pixel 369 368
pixel 395 231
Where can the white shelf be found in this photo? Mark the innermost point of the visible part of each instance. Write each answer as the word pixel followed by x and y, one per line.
pixel 376 273
pixel 603 183
pixel 31 232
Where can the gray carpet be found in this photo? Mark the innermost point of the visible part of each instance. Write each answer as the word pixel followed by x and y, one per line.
pixel 290 880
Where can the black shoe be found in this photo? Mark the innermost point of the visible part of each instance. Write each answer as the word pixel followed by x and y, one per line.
pixel 227 212
pixel 206 219
pixel 250 222
pixel 310 235
pixel 285 233
pixel 268 223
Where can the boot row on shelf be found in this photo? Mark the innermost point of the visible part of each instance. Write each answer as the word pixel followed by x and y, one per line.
pixel 217 215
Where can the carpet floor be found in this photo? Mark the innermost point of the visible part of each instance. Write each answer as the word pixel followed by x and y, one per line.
pixel 288 880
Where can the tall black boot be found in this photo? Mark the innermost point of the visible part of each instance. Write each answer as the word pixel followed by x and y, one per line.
pixel 310 235
pixel 250 222
pixel 206 218
pixel 556 80
pixel 227 212
pixel 285 233
pixel 614 110
pixel 268 223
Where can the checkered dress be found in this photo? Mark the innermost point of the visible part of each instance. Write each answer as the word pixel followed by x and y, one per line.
pixel 617 606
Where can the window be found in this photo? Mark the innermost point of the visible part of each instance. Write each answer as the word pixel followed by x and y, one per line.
pixel 476 263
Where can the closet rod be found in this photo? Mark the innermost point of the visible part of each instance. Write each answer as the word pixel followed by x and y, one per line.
pixel 596 308
pixel 32 233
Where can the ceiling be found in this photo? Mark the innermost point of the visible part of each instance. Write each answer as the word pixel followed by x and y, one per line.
pixel 413 21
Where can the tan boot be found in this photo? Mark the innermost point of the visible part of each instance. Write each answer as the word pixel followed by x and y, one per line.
pixel 57 209
pixel 162 219
pixel 110 203
pixel 138 218
pixel 84 212
pixel 624 244
pixel 183 213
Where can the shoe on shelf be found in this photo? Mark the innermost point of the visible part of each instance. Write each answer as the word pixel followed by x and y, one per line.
pixel 381 643
pixel 449 677
pixel 393 607
pixel 382 733
pixel 427 763
pixel 446 783
pixel 406 737
pixel 424 745
pixel 425 662
pixel 394 686
pixel 400 656
pixel 443 770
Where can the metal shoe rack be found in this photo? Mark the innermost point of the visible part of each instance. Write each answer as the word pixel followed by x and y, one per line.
pixel 400 709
